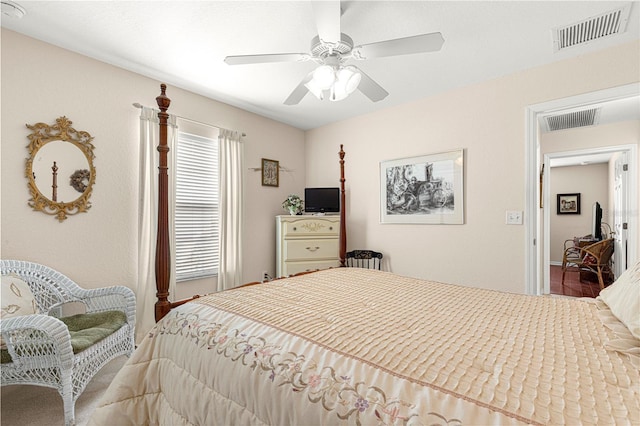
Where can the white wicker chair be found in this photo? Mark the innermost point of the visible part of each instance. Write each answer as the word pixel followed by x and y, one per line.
pixel 40 345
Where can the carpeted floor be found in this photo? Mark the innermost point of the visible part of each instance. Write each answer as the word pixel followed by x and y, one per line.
pixel 24 405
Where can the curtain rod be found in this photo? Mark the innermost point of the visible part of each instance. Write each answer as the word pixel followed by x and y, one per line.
pixel 137 105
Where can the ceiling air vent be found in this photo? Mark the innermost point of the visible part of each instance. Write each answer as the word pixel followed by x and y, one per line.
pixel 587 117
pixel 594 28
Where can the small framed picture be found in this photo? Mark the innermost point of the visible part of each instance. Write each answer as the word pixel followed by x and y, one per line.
pixel 270 172
pixel 568 203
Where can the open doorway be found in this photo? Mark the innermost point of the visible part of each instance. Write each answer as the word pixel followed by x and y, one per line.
pixel 598 176
pixel 536 257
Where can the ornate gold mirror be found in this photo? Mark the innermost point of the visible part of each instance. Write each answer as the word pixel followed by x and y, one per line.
pixel 60 168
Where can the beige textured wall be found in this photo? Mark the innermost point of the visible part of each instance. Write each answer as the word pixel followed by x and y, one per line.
pixel 488 121
pixel 40 83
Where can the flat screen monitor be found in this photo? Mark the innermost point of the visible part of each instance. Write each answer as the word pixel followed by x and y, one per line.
pixel 597 221
pixel 322 200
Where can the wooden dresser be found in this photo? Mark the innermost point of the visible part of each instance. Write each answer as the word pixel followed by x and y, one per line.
pixel 306 243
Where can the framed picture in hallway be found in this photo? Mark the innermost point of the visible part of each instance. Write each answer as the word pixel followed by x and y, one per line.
pixel 568 203
pixel 428 189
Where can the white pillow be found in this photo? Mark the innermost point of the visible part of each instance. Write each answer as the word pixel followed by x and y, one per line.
pixel 17 299
pixel 623 298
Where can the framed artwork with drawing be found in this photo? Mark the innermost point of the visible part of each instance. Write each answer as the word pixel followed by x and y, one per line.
pixel 270 172
pixel 428 189
pixel 568 203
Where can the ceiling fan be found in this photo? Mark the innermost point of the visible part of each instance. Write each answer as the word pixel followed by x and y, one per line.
pixel 331 49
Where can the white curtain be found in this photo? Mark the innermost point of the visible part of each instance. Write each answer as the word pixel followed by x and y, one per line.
pixel 231 209
pixel 148 217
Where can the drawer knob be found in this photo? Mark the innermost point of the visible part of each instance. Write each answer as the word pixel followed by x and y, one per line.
pixel 331 228
pixel 313 248
pixel 295 229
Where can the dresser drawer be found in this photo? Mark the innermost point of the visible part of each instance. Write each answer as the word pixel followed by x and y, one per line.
pixel 310 249
pixel 311 227
pixel 291 268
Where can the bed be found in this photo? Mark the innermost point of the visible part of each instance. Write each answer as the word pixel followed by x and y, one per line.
pixel 358 346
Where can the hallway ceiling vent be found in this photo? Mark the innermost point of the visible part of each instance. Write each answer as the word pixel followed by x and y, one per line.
pixel 597 27
pixel 587 117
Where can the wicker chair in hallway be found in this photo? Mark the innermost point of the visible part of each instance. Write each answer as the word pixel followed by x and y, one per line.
pixel 64 353
pixel 364 259
pixel 594 258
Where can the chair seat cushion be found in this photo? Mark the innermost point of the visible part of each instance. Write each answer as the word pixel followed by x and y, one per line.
pixel 87 329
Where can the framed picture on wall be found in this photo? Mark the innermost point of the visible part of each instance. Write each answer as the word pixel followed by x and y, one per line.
pixel 568 203
pixel 270 172
pixel 428 189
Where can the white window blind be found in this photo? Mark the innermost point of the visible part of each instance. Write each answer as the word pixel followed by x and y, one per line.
pixel 196 214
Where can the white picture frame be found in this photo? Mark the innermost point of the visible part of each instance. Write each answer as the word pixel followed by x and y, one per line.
pixel 427 189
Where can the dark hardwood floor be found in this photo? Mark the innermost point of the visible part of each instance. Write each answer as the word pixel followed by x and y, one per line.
pixel 572 285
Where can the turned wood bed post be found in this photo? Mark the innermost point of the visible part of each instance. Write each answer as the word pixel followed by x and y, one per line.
pixel 163 250
pixel 343 222
pixel 163 254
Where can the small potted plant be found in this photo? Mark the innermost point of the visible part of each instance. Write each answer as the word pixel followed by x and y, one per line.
pixel 293 204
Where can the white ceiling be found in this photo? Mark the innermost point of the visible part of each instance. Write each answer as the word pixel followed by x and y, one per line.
pixel 581 160
pixel 183 44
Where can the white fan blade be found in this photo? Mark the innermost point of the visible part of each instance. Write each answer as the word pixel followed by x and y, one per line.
pixel 401 46
pixel 299 92
pixel 263 59
pixel 327 16
pixel 370 88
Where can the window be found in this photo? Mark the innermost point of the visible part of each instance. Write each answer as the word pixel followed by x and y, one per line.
pixel 196 209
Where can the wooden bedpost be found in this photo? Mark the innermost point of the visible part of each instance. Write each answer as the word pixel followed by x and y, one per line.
pixel 343 225
pixel 163 254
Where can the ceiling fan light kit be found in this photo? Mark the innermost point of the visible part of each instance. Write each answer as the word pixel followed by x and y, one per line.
pixel 323 77
pixel 347 81
pixel 331 49
pixel 315 89
pixel 338 81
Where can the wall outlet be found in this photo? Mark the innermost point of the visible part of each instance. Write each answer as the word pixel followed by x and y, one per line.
pixel 514 217
pixel 265 276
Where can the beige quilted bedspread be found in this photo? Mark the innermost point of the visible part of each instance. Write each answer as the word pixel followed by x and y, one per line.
pixel 355 346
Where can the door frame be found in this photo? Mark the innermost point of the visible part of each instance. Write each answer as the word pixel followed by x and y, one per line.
pixel 534 255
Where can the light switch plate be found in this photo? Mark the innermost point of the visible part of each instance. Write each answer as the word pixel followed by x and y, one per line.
pixel 514 217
